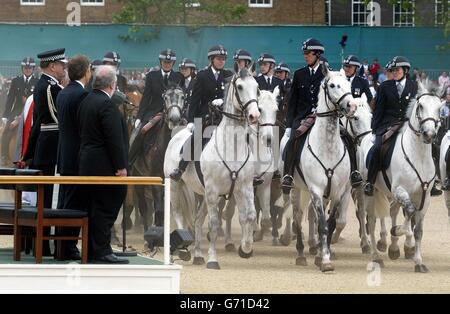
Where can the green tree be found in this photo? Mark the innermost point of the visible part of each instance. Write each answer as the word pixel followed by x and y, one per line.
pixel 193 13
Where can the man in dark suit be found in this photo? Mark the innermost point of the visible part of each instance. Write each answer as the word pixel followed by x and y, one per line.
pixel 67 104
pixel 152 103
pixel 188 69
pixel 267 81
pixel 103 152
pixel 392 101
pixel 303 99
pixel 21 88
pixel 208 89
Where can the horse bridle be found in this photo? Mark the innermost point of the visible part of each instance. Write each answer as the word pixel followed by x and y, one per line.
pixel 167 110
pixel 335 112
pixel 419 118
pixel 356 138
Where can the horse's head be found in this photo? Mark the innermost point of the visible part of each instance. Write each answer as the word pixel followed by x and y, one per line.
pixel 246 93
pixel 338 93
pixel 424 120
pixel 268 108
pixel 361 121
pixel 173 105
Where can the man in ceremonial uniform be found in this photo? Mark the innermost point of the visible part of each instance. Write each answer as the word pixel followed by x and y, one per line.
pixel 113 58
pixel 188 69
pixel 267 81
pixel 21 88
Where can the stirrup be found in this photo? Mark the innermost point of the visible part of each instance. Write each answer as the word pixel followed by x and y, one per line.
pixel 368 189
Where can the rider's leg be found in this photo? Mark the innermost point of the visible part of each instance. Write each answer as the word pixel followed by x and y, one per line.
pixel 374 166
pixel 355 176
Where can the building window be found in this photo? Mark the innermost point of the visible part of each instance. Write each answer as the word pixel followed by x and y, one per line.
pixel 93 2
pixel 260 3
pixel 327 12
pixel 404 13
pixel 359 13
pixel 32 2
pixel 441 12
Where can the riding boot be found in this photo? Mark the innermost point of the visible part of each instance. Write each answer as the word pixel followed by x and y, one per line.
pixel 355 176
pixel 287 182
pixel 177 173
pixel 374 166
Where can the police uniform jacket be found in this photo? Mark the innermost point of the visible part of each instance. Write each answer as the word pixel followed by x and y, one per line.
pixel 19 91
pixel 263 85
pixel 205 90
pixel 42 145
pixel 361 86
pixel 152 101
pixel 389 107
pixel 304 95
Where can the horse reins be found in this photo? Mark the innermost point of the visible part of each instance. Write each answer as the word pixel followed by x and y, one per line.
pixel 419 118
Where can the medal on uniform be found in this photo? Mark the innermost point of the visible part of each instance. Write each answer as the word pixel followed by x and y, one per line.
pixel 408 96
pixel 357 91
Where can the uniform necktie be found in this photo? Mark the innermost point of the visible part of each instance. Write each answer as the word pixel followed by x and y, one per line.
pixel 268 81
pixel 166 79
pixel 400 89
pixel 312 72
pixel 216 75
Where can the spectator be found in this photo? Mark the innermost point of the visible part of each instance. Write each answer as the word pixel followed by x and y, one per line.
pixel 383 76
pixel 374 68
pixel 444 80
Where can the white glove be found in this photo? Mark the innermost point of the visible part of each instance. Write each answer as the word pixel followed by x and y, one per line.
pixel 217 102
pixel 190 127
pixel 137 123
pixel 287 133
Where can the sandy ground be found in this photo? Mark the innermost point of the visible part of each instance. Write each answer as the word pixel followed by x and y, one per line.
pixel 273 270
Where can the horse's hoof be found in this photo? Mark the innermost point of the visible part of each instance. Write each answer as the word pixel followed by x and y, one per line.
pixel 379 262
pixel 198 261
pixel 394 254
pixel 365 249
pixel 409 252
pixel 258 236
pixel 301 261
pixel 421 269
pixel 318 261
pixel 381 246
pixel 326 267
pixel 230 247
pixel 213 265
pixel 184 256
pixel 397 231
pixel 286 241
pixel 243 254
pixel 275 241
pixel 313 250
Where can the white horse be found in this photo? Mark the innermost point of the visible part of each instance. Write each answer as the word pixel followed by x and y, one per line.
pixel 411 174
pixel 325 166
pixel 445 144
pixel 262 140
pixel 225 166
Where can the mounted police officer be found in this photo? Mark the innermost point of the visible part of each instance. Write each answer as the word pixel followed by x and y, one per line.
pixel 302 103
pixel 152 103
pixel 188 68
pixel 43 143
pixel 113 58
pixel 267 81
pixel 282 71
pixel 21 88
pixel 242 59
pixel 392 101
pixel 208 90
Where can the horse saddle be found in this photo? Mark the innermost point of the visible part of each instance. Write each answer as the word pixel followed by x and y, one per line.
pixel 391 131
pixel 387 146
pixel 305 125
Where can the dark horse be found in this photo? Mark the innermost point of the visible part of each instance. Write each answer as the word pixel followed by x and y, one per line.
pixel 150 199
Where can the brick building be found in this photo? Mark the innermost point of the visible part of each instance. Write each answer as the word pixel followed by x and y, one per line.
pixel 101 11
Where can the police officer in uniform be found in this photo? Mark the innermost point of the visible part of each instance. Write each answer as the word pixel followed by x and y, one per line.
pixel 282 71
pixel 113 58
pixel 152 103
pixel 188 69
pixel 43 143
pixel 21 88
pixel 242 59
pixel 392 100
pixel 267 81
pixel 208 89
pixel 303 101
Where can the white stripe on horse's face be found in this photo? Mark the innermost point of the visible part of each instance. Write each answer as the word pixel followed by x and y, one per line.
pixel 247 88
pixel 337 87
pixel 268 109
pixel 428 107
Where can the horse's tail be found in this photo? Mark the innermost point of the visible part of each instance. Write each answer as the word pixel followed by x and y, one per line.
pixel 382 205
pixel 187 203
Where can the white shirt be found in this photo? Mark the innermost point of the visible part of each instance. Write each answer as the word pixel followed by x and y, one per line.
pixel 350 79
pixel 214 71
pixel 268 77
pixel 315 68
pixel 109 96
pixel 403 82
pixel 187 81
pixel 79 82
pixel 26 79
pixel 165 73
